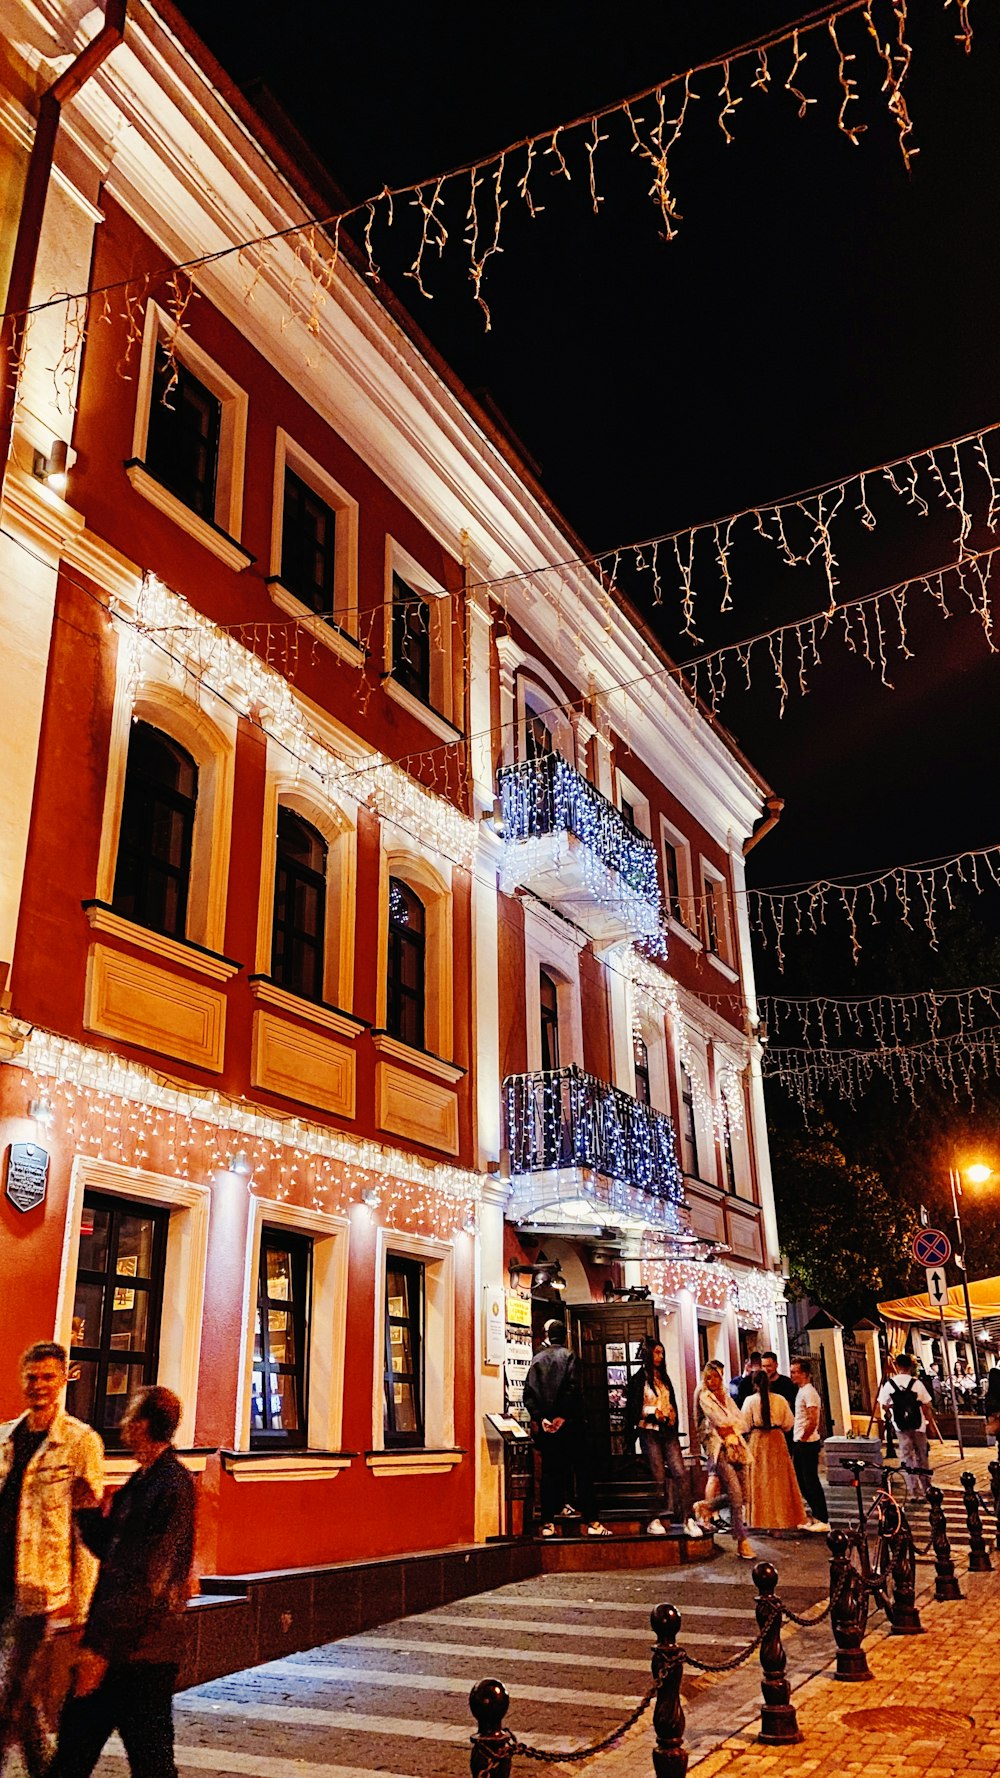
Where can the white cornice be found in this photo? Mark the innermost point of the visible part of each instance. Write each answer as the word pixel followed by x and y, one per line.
pixel 196 181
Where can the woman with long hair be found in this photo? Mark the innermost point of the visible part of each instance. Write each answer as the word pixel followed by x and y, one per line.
pixel 775 1503
pixel 651 1411
pixel 721 1426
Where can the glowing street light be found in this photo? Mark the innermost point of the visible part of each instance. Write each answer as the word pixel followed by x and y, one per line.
pixel 975 1173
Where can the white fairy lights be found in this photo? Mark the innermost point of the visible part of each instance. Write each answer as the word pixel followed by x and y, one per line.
pixel 956 1062
pixel 654 993
pixel 132 1114
pixel 215 660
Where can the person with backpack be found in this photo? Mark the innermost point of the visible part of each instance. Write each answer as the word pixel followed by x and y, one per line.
pixel 907 1399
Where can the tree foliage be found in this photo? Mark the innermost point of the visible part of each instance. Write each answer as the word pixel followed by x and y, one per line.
pixel 842 1231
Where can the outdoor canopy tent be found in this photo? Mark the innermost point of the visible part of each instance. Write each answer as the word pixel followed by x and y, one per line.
pixel 984 1295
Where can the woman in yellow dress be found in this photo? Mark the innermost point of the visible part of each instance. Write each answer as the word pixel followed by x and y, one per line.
pixel 775 1502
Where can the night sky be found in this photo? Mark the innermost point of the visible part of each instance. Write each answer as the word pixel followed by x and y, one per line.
pixel 820 311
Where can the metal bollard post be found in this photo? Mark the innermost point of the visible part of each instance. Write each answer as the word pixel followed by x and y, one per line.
pixel 979 1561
pixel 491 1756
pixel 903 1614
pixel 670 1757
pixel 995 1491
pixel 945 1584
pixel 848 1609
pixel 779 1725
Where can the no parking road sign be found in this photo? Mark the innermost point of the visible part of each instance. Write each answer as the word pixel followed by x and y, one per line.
pixel 931 1247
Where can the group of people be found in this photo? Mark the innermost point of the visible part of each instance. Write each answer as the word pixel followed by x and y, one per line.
pixel 114 1571
pixel 761 1443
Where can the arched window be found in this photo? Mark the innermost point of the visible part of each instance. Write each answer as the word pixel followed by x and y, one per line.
pixel 153 873
pixel 641 1054
pixel 549 1012
pixel 299 907
pixel 404 976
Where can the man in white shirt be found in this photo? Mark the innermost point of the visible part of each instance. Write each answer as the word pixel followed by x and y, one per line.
pixel 806 1442
pixel 908 1402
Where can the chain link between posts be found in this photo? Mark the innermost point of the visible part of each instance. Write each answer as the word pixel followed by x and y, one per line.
pixel 513 1747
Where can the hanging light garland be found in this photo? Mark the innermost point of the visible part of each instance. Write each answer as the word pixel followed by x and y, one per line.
pixel 654 993
pixel 132 1114
pixel 957 1062
pixel 880 1021
pixel 648 126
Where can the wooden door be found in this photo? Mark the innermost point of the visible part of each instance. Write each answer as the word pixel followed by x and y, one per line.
pixel 608 1340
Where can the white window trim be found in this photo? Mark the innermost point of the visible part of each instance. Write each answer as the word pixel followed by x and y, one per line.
pixel 212 744
pixel 402 858
pixel 654 1037
pixel 724 955
pixel 438 1260
pixel 343 639
pixel 556 949
pixel 327 1329
pixel 189 1205
pixel 707 1148
pixel 283 788
pixel 539 692
pixel 440 715
pixel 224 541
pixel 630 793
pixel 686 929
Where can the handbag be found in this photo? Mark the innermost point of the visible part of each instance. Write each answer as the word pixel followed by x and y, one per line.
pixel 734 1448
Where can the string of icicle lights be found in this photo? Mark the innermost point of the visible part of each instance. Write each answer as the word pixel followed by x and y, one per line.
pixel 958 1063
pixel 841 49
pixel 881 1021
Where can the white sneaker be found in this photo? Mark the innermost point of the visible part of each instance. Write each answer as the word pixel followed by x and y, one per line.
pixel 817 1525
pixel 656 1528
pixel 548 1530
pixel 598 1530
pixel 693 1528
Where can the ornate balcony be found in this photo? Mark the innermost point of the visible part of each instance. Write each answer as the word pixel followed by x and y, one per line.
pixel 564 841
pixel 583 1151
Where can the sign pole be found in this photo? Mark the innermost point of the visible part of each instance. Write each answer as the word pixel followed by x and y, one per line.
pixel 951 1383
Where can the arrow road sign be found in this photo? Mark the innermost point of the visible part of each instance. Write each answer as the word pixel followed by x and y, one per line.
pixel 931 1247
pixel 937 1288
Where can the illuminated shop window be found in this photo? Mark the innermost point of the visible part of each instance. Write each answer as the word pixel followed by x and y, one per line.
pixel 116 1309
pixel 278 1393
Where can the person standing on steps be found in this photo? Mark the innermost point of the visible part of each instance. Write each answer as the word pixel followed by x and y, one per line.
pixel 910 1405
pixel 721 1426
pixel 651 1411
pixel 807 1442
pixel 553 1400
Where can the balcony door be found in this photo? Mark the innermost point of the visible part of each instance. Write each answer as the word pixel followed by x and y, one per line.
pixel 548 1003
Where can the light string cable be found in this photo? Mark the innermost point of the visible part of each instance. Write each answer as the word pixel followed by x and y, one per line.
pixel 774 910
pixel 933 472
pixel 962 1062
pixel 480 186
pixel 877 1021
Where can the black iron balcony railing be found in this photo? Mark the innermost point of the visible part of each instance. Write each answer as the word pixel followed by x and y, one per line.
pixel 566 1118
pixel 546 796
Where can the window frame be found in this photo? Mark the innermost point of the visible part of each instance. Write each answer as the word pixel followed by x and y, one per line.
pixel 147 800
pixel 716 924
pixel 629 792
pixel 438 1258
pixel 548 1020
pixel 220 531
pixel 286 973
pixel 101 1353
pixel 441 710
pixel 179 381
pixel 401 858
pixel 682 918
pixel 299 1246
pixel 689 1123
pixel 415 1270
pixel 340 631
pixel 402 940
pixel 641 1071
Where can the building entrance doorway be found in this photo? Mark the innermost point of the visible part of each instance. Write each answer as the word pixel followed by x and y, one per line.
pixel 608 1339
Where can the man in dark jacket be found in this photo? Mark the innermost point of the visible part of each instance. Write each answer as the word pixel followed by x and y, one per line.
pixel 552 1398
pixel 125 1673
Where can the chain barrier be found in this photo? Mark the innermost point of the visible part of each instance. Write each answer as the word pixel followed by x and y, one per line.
pixel 734 1661
pixel 513 1747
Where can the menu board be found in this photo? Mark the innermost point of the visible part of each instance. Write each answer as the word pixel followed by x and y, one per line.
pixel 622 1358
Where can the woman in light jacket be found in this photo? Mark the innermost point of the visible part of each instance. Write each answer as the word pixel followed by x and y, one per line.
pixel 721 1425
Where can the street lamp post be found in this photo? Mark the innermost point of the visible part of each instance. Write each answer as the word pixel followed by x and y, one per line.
pixel 978 1174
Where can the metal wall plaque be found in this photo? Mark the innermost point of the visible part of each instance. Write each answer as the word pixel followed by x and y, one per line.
pixel 27 1174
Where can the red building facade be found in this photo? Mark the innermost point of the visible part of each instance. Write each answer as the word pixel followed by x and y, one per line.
pixel 365 941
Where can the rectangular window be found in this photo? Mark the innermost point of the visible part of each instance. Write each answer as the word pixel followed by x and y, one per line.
pixel 182 438
pixel 727 1148
pixel 308 547
pixel 628 814
pixel 411 640
pixel 404 1352
pixel 116 1310
pixel 672 880
pixel 689 1125
pixel 281 1331
pixel 713 916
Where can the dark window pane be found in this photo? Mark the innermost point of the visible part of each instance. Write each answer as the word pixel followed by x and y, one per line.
pixel 278 1394
pixel 405 965
pixel 411 650
pixel 537 737
pixel 116 1309
pixel 299 907
pixel 549 1004
pixel 81 1390
pixel 404 1328
pixel 88 1307
pixel 157 829
pixel 182 440
pixel 308 546
pixel 94 1229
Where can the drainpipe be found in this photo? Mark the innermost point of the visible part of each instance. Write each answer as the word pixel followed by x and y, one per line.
pixel 36 185
pixel 775 804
